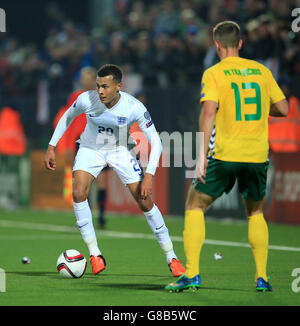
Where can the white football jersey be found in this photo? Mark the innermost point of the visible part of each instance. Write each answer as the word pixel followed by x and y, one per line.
pixel 109 128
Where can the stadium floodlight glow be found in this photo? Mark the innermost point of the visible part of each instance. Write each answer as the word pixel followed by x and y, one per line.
pixel 2 20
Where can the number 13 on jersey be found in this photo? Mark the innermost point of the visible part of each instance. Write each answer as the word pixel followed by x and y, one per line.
pixel 247 100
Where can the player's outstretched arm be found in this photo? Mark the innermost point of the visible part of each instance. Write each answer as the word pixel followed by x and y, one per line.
pixel 279 109
pixel 49 160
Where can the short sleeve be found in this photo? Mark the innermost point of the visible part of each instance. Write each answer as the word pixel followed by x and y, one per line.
pixel 209 90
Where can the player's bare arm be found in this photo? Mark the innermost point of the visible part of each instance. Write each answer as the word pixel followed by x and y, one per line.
pixel 206 125
pixel 279 109
pixel 49 160
pixel 146 186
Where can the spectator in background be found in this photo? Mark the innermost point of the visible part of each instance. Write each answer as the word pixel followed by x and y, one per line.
pixel 284 134
pixel 252 39
pixel 144 59
pixel 134 25
pixel 194 54
pixel 267 48
pixel 166 58
pixel 253 9
pixel 118 52
pixel 164 41
pixel 98 46
pixel 167 20
pixel 190 21
pixel 232 10
pixel 12 137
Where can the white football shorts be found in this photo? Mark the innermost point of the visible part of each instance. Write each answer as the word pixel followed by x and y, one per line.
pixel 120 159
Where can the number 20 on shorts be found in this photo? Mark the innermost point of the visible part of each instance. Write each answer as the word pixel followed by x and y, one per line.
pixel 247 100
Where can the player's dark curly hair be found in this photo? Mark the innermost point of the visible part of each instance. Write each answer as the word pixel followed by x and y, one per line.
pixel 110 69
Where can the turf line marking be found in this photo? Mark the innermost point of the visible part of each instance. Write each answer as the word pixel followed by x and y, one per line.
pixel 126 235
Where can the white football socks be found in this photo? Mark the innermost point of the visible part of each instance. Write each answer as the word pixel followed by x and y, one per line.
pixel 85 225
pixel 154 218
pixel 157 225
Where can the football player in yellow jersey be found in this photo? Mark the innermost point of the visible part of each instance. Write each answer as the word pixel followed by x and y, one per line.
pixel 237 96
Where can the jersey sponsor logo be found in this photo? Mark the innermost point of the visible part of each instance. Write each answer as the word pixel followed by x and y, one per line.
pixel 92 115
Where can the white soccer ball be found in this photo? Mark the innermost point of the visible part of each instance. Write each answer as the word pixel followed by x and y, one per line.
pixel 71 264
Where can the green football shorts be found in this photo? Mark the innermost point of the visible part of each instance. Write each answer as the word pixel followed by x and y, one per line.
pixel 221 177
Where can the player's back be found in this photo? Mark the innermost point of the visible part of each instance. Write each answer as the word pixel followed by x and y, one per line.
pixel 244 90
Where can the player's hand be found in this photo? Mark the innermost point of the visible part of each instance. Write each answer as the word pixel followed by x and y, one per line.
pixel 49 161
pixel 201 170
pixel 146 186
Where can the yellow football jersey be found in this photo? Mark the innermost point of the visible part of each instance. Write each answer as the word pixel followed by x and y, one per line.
pixel 244 91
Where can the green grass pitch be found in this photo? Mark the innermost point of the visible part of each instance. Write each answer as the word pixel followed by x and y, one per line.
pixel 136 270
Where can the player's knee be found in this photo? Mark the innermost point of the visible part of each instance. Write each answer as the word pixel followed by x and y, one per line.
pixel 144 208
pixel 79 194
pixel 253 207
pixel 196 205
pixel 144 204
pixel 199 201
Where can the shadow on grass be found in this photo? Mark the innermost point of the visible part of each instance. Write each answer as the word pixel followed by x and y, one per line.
pixel 132 286
pixel 30 273
pixel 126 285
pixel 86 275
pixel 135 286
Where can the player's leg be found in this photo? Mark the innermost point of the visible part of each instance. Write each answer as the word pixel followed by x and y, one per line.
pixel 219 179
pixel 83 178
pixel 158 226
pixel 130 172
pixel 193 239
pixel 101 197
pixel 194 228
pixel 258 236
pixel 253 186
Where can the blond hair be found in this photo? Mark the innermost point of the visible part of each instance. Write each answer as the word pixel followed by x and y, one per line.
pixel 227 33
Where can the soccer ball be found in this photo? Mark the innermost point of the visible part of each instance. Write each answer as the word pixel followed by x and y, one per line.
pixel 71 264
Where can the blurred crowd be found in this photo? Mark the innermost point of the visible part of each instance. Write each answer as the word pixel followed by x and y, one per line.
pixel 167 42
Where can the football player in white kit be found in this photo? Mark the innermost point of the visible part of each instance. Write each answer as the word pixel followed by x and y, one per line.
pixel 110 113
